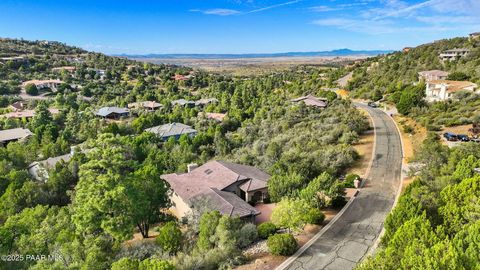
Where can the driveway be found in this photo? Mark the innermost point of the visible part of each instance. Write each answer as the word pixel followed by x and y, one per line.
pixel 347 241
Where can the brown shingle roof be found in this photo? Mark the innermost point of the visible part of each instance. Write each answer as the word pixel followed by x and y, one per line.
pixel 216 174
pixel 312 101
pixel 227 203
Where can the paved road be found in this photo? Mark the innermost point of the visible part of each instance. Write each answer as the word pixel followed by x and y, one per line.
pixel 348 240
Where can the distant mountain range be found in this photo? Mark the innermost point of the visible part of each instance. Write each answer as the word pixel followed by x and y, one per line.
pixel 339 52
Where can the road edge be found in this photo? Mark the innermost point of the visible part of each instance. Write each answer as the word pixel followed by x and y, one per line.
pixel 399 189
pixel 310 242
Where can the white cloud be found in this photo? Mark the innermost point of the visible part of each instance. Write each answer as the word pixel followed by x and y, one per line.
pixel 217 11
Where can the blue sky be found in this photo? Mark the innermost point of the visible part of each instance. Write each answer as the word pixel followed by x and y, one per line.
pixel 238 26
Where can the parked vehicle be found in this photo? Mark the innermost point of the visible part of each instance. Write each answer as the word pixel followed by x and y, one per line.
pixel 463 137
pixel 477 140
pixel 450 136
pixel 372 104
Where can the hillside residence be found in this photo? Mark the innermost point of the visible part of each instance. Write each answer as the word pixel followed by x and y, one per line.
pixel 214 116
pixel 148 106
pixel 312 101
pixel 40 84
pixel 183 102
pixel 113 112
pixel 454 54
pixel 70 69
pixel 26 113
pixel 205 101
pixel 14 59
pixel 223 186
pixel 406 49
pixel 440 90
pixel 175 130
pixel 39 169
pixel 14 134
pixel 473 36
pixel 180 77
pixel 18 106
pixel 431 75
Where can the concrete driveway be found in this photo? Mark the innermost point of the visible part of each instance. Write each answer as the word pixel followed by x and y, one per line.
pixel 347 241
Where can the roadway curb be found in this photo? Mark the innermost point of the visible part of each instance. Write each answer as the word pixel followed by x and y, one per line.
pixel 310 242
pixel 399 189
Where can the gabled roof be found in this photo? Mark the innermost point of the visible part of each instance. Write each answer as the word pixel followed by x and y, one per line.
pixel 145 104
pixel 226 203
pixel 310 100
pixel 19 105
pixel 109 110
pixel 26 113
pixel 205 101
pixel 172 129
pixel 216 174
pixel 14 134
pixel 181 102
pixel 215 116
pixel 38 82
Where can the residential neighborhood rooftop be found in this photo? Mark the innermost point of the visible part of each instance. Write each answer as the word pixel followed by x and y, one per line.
pixel 14 134
pixel 105 111
pixel 227 203
pixel 216 174
pixel 310 100
pixel 172 129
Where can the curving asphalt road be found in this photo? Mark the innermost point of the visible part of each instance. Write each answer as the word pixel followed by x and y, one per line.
pixel 347 241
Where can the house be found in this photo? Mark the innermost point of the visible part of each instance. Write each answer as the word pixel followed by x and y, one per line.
pixel 70 69
pixel 454 54
pixel 18 106
pixel 224 186
pixel 473 36
pixel 180 77
pixel 439 90
pixel 431 75
pixel 39 169
pixel 175 130
pixel 214 116
pixel 183 102
pixel 26 113
pixel 113 112
pixel 14 134
pixel 406 49
pixel 14 59
pixel 40 84
pixel 205 101
pixel 312 101
pixel 148 106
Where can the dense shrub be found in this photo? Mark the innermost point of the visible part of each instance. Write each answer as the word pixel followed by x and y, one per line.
pixel 247 235
pixel 314 216
pixel 31 89
pixel 266 229
pixel 282 244
pixel 155 264
pixel 169 237
pixel 125 263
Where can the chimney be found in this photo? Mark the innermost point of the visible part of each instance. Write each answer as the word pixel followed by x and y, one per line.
pixel 192 166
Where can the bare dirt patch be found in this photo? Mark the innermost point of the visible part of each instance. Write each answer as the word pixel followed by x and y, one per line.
pixel 412 134
pixel 364 148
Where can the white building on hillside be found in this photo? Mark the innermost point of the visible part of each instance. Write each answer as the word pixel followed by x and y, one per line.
pixel 440 90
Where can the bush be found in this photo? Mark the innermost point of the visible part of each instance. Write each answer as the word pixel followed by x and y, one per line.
pixel 349 180
pixel 169 237
pixel 155 264
pixel 282 244
pixel 315 216
pixel 31 89
pixel 266 229
pixel 125 263
pixel 408 129
pixel 247 235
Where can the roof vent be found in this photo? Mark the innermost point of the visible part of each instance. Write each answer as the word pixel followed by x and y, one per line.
pixel 208 171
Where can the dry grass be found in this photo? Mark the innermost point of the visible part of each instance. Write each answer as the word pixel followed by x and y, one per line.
pixel 365 150
pixel 410 140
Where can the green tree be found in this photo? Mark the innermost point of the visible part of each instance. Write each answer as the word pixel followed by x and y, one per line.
pixel 208 224
pixel 285 185
pixel 31 89
pixel 291 213
pixel 170 237
pixel 125 263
